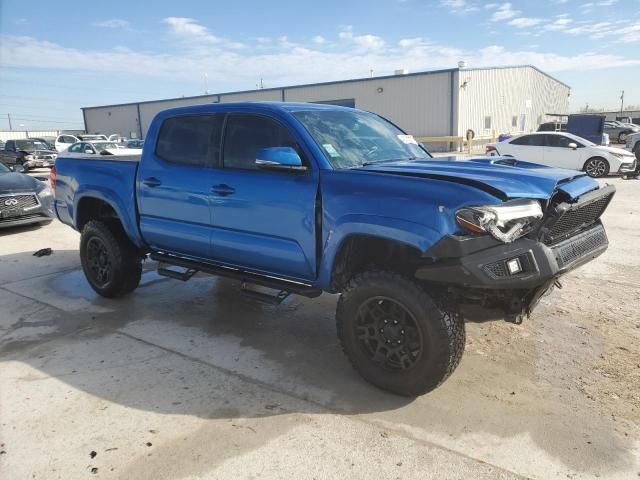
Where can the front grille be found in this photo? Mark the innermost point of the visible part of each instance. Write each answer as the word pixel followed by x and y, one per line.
pixel 570 218
pixel 580 246
pixel 24 201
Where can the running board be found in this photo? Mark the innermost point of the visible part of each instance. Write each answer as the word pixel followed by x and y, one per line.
pixel 275 299
pixel 167 272
pixel 192 266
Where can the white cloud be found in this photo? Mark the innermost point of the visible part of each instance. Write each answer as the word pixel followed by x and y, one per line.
pixel 319 40
pixel 459 6
pixel 504 12
pixel 190 29
pixel 523 22
pixel 112 23
pixel 364 42
pixel 282 62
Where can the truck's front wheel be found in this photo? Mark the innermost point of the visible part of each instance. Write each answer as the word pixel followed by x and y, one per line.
pixel 396 336
pixel 110 261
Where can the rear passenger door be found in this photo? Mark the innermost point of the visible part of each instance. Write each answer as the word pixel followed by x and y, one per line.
pixel 263 220
pixel 174 183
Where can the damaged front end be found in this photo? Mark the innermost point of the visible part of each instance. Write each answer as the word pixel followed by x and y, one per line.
pixel 512 257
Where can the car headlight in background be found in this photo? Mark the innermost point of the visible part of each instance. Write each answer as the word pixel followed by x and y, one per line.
pixel 44 191
pixel 625 157
pixel 29 157
pixel 505 222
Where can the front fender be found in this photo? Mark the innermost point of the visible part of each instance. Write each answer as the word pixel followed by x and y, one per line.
pixel 410 233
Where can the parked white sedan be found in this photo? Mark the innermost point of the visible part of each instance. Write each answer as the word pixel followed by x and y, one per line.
pixel 564 150
pixel 81 149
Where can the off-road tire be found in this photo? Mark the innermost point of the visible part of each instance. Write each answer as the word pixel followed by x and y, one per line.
pixel 591 169
pixel 126 262
pixel 442 333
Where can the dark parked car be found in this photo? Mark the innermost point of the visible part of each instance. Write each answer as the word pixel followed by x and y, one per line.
pixel 28 153
pixel 618 132
pixel 137 143
pixel 23 199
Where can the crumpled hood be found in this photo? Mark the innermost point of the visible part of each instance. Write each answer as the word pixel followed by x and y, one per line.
pixel 17 182
pixel 503 177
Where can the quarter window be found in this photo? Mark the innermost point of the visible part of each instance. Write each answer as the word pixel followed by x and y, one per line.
pixel 246 134
pixel 192 140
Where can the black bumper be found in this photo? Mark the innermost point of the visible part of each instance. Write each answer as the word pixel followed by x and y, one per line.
pixel 488 267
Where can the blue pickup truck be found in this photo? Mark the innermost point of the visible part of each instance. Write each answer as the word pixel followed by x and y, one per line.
pixel 304 198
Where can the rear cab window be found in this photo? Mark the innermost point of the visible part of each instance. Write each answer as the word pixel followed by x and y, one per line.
pixel 191 140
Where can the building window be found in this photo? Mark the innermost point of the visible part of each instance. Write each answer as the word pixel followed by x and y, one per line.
pixel 514 121
pixel 487 123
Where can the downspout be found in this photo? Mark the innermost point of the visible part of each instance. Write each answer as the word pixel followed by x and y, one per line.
pixel 139 121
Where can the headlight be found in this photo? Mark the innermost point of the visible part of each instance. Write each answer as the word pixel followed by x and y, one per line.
pixel 45 191
pixel 29 157
pixel 505 222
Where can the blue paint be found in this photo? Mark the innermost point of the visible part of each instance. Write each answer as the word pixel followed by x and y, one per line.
pixel 267 221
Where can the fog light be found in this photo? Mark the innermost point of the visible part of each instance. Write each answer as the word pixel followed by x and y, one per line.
pixel 514 266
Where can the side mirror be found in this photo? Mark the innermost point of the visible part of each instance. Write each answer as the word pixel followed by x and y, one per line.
pixel 573 146
pixel 279 158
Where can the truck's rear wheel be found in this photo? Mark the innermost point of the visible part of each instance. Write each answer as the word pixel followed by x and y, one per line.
pixel 396 336
pixel 110 261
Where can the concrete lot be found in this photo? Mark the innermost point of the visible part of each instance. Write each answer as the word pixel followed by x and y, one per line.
pixel 192 380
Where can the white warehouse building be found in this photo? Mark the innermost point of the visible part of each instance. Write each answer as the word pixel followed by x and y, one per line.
pixel 447 102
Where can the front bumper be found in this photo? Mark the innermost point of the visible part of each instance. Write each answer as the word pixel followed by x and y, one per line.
pixel 13 216
pixel 488 268
pixel 628 167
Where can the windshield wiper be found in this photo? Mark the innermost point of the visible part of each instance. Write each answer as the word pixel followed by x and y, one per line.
pixel 367 164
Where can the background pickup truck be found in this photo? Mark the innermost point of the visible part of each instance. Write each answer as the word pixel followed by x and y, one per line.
pixel 304 198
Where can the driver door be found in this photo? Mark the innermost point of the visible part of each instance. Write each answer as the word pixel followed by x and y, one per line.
pixel 263 220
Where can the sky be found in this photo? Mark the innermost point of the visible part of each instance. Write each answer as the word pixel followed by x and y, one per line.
pixel 54 60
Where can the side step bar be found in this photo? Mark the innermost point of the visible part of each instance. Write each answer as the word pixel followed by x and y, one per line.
pixel 192 267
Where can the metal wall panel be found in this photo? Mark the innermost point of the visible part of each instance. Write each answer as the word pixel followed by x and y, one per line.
pixel 150 109
pixel 108 120
pixel 520 94
pixel 255 96
pixel 419 104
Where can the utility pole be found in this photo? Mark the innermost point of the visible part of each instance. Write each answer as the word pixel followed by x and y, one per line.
pixel 9 118
pixel 206 84
pixel 621 102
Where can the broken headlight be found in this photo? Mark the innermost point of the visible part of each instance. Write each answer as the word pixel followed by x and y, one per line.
pixel 506 222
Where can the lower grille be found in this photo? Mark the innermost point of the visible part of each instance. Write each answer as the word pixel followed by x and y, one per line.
pixel 580 246
pixel 19 218
pixel 498 270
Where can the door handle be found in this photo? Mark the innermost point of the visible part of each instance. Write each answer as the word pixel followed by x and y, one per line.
pixel 222 190
pixel 152 182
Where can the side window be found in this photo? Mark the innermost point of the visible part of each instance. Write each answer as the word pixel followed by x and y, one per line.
pixel 529 140
pixel 192 140
pixel 75 148
pixel 11 146
pixel 246 134
pixel 561 141
pixel 524 140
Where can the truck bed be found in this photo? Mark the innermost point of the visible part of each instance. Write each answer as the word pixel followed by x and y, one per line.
pixel 111 178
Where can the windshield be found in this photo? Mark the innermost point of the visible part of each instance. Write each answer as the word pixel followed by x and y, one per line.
pixel 584 141
pixel 104 145
pixel 354 139
pixel 31 145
